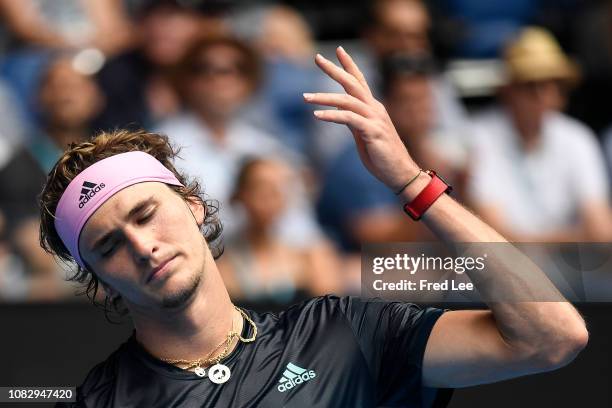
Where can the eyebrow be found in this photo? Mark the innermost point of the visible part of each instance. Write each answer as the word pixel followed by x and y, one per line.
pixel 135 210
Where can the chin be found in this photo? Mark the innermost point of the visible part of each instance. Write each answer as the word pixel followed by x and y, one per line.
pixel 181 296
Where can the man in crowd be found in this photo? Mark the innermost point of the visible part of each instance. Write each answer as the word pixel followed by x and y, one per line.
pixel 539 175
pixel 371 214
pixel 68 100
pixel 393 27
pixel 137 83
pixel 217 77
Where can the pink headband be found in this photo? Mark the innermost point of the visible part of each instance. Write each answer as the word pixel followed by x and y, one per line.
pixel 96 184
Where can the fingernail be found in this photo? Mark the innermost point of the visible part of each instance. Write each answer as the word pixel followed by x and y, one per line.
pixel 341 49
pixel 320 57
pixel 308 96
pixel 318 113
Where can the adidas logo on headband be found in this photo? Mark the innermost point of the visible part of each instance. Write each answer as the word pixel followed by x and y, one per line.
pixel 88 190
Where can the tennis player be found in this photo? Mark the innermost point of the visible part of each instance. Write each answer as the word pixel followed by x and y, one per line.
pixel 118 208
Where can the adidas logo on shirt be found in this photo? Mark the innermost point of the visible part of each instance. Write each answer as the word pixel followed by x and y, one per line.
pixel 293 376
pixel 88 190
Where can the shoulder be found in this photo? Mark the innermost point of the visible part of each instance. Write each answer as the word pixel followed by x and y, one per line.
pixel 573 136
pixel 98 386
pixel 327 304
pixel 314 306
pixel 354 309
pixel 319 310
pixel 490 127
pixel 569 129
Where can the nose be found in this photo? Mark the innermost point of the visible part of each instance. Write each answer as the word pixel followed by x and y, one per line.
pixel 142 244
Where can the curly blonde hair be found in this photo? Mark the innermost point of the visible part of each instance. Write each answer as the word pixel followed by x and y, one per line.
pixel 103 145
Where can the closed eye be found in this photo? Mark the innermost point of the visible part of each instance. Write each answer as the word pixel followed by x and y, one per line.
pixel 109 251
pixel 143 220
pixel 111 246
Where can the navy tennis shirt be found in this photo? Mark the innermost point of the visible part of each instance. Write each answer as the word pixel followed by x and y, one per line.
pixel 326 352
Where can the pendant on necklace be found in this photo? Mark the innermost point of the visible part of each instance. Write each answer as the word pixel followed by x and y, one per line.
pixel 200 372
pixel 219 373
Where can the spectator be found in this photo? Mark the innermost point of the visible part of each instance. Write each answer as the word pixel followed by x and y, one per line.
pixel 409 88
pixel 398 26
pixel 286 45
pixel 69 24
pixel 137 83
pixel 36 28
pixel 68 101
pixel 394 26
pixel 256 265
pixel 216 78
pixel 357 208
pixel 538 174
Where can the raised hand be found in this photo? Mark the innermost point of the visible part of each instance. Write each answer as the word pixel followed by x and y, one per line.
pixel 380 147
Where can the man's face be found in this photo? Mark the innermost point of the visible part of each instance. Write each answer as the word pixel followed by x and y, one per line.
pixel 411 106
pixel 218 85
pixel 402 27
pixel 145 245
pixel 264 193
pixel 528 102
pixel 167 32
pixel 69 98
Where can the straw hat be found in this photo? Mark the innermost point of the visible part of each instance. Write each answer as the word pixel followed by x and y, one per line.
pixel 535 56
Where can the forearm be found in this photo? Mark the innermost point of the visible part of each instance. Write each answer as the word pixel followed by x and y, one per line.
pixel 523 337
pixel 23 18
pixel 530 314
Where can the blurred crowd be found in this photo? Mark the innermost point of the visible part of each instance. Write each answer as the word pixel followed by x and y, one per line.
pixel 508 101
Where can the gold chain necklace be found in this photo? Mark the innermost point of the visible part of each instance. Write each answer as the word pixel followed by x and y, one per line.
pixel 220 373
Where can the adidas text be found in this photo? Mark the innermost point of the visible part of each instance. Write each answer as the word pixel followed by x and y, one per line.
pixel 90 194
pixel 290 383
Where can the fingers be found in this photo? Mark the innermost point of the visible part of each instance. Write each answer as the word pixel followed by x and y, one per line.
pixel 343 117
pixel 350 84
pixel 349 65
pixel 339 101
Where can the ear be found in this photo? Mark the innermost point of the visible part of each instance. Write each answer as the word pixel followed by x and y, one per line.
pixel 197 210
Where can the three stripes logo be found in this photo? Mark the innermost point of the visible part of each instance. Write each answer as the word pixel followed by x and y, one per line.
pixel 88 190
pixel 293 376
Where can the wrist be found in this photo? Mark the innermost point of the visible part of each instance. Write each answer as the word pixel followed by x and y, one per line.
pixel 402 176
pixel 421 198
pixel 413 190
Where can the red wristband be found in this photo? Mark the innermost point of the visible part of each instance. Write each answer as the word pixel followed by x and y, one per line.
pixel 436 187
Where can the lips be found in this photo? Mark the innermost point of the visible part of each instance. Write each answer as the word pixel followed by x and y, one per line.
pixel 160 269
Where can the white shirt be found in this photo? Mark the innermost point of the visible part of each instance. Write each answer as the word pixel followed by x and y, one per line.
pixel 216 164
pixel 541 190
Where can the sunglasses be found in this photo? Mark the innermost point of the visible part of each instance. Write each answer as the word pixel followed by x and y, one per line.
pixel 210 69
